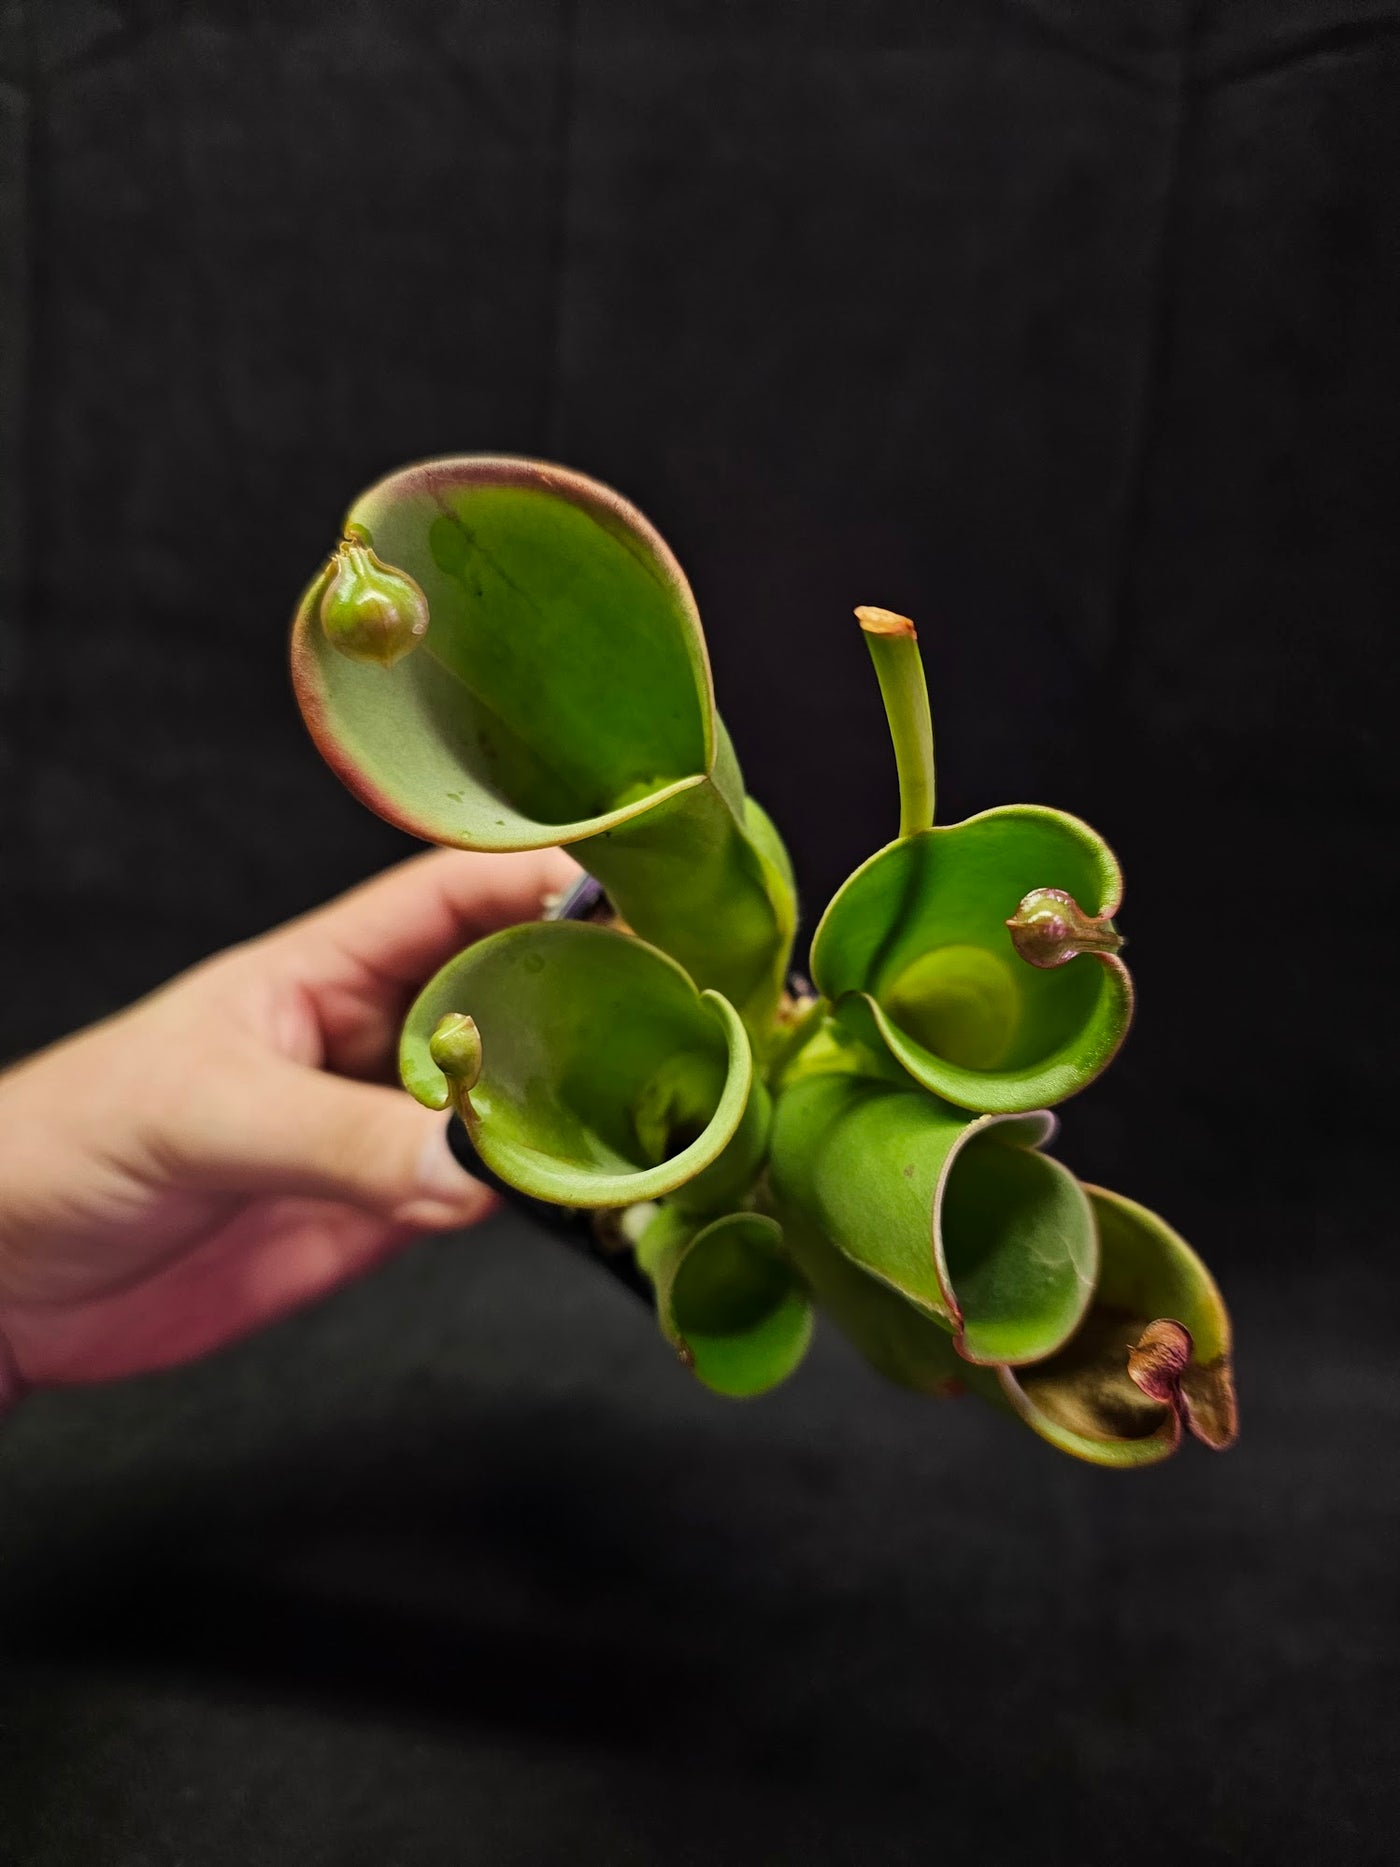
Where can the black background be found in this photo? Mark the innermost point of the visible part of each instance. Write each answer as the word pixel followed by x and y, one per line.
pixel 1070 329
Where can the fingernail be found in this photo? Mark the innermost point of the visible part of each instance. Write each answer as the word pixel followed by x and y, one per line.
pixel 446 1194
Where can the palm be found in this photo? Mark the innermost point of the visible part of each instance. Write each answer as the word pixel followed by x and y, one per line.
pixel 225 1268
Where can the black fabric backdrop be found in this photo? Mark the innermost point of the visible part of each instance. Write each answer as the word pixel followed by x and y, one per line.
pixel 1071 329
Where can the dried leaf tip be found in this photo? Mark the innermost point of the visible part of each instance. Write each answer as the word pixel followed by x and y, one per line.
pixel 884 621
pixel 894 653
pixel 455 1047
pixel 1050 929
pixel 1202 1396
pixel 1159 1358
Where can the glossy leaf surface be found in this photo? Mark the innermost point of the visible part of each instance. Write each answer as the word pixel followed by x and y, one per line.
pixel 902 1343
pixel 915 952
pixel 686 876
pixel 561 695
pixel 1084 1399
pixel 728 1299
pixel 961 1216
pixel 563 680
pixel 605 1077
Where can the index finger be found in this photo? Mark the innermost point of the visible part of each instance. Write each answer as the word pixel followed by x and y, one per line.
pixel 360 961
pixel 397 929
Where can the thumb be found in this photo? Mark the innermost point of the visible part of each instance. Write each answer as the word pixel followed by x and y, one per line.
pixel 301 1131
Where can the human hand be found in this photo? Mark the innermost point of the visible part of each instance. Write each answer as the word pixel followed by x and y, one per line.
pixel 226 1149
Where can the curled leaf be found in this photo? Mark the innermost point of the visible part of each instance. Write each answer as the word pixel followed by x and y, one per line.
pixel 963 1217
pixel 1152 1355
pixel 728 1299
pixel 604 1076
pixel 916 953
pixel 562 695
pixel 564 682
pixel 902 1343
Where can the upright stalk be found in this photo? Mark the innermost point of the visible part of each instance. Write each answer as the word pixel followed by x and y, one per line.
pixel 894 648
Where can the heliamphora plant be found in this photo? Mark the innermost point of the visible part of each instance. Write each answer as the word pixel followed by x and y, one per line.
pixel 505 655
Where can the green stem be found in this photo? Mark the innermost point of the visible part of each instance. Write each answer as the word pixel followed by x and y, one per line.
pixel 796 1038
pixel 894 648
